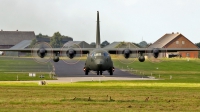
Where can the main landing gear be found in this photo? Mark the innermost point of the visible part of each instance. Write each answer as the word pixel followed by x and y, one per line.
pixel 86 71
pixel 111 70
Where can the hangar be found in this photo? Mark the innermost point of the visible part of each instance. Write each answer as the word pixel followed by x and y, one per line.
pixel 81 44
pixel 121 45
pixel 11 38
pixel 175 40
pixel 47 39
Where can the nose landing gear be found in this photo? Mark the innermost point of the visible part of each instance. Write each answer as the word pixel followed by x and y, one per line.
pixel 111 70
pixel 99 72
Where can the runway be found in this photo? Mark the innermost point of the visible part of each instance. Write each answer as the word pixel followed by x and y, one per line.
pixel 75 73
pixel 76 70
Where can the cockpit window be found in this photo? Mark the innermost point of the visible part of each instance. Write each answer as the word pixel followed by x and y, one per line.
pixel 92 54
pixel 105 54
pixel 98 54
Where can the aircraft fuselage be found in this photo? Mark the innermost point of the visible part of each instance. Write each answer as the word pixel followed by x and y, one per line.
pixel 99 60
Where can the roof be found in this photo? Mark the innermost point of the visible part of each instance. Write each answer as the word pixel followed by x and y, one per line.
pixel 164 40
pixel 73 42
pixel 116 44
pixel 82 44
pixel 112 45
pixel 23 44
pixel 14 37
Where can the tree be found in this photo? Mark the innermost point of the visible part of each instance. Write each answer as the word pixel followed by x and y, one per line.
pixel 56 40
pixel 136 44
pixel 32 43
pixel 67 37
pixel 39 36
pixel 197 44
pixel 42 36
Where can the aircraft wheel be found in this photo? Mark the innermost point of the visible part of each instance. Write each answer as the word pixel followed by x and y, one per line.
pixel 100 72
pixel 86 72
pixel 97 72
pixel 111 71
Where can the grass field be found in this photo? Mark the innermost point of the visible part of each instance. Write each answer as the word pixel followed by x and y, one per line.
pixel 181 93
pixel 105 96
pixel 13 68
pixel 180 70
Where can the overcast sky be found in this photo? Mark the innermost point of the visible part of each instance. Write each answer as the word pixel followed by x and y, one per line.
pixel 121 20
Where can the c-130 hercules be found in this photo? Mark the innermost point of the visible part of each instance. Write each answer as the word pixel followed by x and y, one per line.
pixel 98 58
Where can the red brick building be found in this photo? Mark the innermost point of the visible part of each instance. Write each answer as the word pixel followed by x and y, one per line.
pixel 175 40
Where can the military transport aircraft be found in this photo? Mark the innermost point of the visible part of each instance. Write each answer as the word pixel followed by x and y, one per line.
pixel 98 59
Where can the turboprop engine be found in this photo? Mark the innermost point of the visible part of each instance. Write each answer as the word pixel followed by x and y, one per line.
pixel 71 53
pixel 141 58
pixel 126 53
pixel 41 52
pixel 56 58
pixel 155 52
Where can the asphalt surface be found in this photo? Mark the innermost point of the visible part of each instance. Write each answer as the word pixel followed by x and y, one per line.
pixel 76 70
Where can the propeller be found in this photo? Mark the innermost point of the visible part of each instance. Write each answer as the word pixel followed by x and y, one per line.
pixel 42 52
pixel 154 56
pixel 71 53
pixel 124 54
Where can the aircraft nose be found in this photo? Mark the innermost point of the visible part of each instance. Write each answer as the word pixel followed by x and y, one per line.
pixel 99 63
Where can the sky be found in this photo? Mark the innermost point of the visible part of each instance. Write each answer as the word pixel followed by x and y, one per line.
pixel 120 20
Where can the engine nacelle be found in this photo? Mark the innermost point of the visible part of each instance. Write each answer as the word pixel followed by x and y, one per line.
pixel 41 53
pixel 156 52
pixel 56 59
pixel 141 58
pixel 71 53
pixel 126 53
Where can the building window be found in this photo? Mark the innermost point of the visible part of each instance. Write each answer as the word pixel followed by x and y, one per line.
pixel 187 54
pixel 177 42
pixel 183 42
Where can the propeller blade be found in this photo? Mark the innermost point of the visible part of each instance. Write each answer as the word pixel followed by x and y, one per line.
pixel 69 55
pixel 42 52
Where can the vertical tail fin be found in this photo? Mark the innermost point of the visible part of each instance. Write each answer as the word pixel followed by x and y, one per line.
pixel 98 32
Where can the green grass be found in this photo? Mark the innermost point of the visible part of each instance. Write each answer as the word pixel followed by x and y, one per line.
pixel 105 96
pixel 181 70
pixel 181 93
pixel 11 68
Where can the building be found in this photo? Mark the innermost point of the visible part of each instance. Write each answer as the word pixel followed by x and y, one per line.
pixel 47 39
pixel 121 45
pixel 175 40
pixel 79 44
pixel 22 45
pixel 11 38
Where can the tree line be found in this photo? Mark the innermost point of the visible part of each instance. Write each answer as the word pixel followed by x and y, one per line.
pixel 56 41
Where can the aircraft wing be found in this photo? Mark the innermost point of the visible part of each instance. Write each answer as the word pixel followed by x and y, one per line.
pixel 54 50
pixel 126 52
pixel 149 50
pixel 111 51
